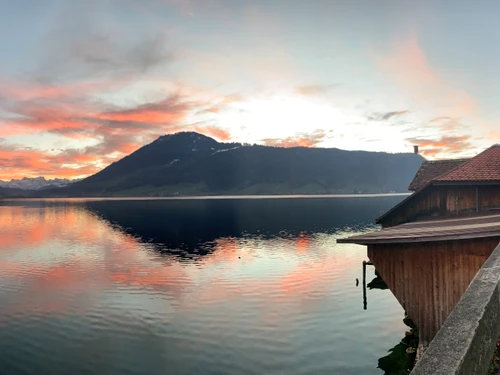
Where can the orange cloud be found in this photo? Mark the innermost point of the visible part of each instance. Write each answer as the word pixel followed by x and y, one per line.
pixel 452 146
pixel 162 112
pixel 313 90
pixel 67 112
pixel 214 131
pixel 66 94
pixel 300 140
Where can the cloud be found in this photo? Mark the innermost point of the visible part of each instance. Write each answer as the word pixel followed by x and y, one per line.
pixel 408 66
pixel 85 42
pixel 440 106
pixel 18 162
pixel 299 140
pixel 115 131
pixel 453 146
pixel 314 90
pixel 383 116
pixel 96 83
pixel 441 118
pixel 166 111
pixel 213 131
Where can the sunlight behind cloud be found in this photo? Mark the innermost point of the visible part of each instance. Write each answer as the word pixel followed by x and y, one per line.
pixel 280 116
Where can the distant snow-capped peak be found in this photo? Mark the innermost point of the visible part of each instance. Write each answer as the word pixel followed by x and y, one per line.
pixel 36 183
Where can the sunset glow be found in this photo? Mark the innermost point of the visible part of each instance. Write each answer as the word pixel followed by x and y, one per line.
pixel 83 84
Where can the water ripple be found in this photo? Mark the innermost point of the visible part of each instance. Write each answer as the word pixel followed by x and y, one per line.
pixel 82 293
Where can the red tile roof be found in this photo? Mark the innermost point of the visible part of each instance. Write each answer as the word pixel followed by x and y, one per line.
pixel 483 167
pixel 429 170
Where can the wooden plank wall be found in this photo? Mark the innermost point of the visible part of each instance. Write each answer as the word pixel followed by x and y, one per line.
pixel 444 201
pixel 489 196
pixel 429 278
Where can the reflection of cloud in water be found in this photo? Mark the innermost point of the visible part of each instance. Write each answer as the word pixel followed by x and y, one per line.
pixel 65 264
pixel 87 253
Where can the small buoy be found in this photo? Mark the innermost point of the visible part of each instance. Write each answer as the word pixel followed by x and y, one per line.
pixel 357 281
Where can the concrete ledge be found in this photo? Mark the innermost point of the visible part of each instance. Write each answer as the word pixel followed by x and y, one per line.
pixel 465 343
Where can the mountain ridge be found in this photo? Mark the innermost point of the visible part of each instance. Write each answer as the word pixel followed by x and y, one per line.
pixel 36 183
pixel 189 163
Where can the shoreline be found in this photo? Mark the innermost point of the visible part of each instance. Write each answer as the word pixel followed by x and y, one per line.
pixel 216 197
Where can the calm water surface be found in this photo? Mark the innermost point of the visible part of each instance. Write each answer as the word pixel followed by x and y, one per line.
pixel 190 287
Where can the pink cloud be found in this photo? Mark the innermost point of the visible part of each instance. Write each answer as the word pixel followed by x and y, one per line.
pixel 452 122
pixel 66 111
pixel 450 146
pixel 409 66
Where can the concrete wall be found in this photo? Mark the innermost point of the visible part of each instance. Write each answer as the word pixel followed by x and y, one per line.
pixel 465 343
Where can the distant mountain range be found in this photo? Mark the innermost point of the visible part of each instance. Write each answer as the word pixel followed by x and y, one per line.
pixel 188 163
pixel 36 183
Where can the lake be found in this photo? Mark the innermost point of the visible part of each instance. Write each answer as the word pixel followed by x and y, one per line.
pixel 234 286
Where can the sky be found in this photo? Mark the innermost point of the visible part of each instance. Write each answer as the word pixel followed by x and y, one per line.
pixel 83 83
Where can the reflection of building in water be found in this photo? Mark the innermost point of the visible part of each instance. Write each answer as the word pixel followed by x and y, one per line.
pixel 377 283
pixel 401 358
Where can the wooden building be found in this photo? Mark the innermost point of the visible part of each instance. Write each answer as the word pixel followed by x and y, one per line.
pixel 450 188
pixel 433 243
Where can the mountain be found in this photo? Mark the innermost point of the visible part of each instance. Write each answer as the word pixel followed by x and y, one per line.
pixel 13 193
pixel 36 183
pixel 189 163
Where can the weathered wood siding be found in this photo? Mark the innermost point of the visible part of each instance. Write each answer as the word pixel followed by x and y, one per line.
pixel 489 196
pixel 444 201
pixel 429 278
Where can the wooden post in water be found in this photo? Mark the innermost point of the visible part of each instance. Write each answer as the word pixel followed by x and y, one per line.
pixel 364 286
pixel 365 302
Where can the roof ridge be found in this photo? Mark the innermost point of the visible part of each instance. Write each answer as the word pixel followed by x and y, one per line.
pixel 431 169
pixel 443 160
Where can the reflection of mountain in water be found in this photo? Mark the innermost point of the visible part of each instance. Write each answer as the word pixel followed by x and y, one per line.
pixel 186 224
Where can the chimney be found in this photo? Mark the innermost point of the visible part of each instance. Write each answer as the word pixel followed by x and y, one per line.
pixel 415 149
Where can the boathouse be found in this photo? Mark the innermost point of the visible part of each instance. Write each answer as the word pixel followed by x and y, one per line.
pixel 433 243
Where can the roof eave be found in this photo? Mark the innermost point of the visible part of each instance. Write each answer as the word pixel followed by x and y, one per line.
pixel 467 183
pixel 414 239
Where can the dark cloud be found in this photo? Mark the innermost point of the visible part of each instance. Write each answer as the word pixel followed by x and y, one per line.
pixel 384 116
pixel 87 41
pixel 98 57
